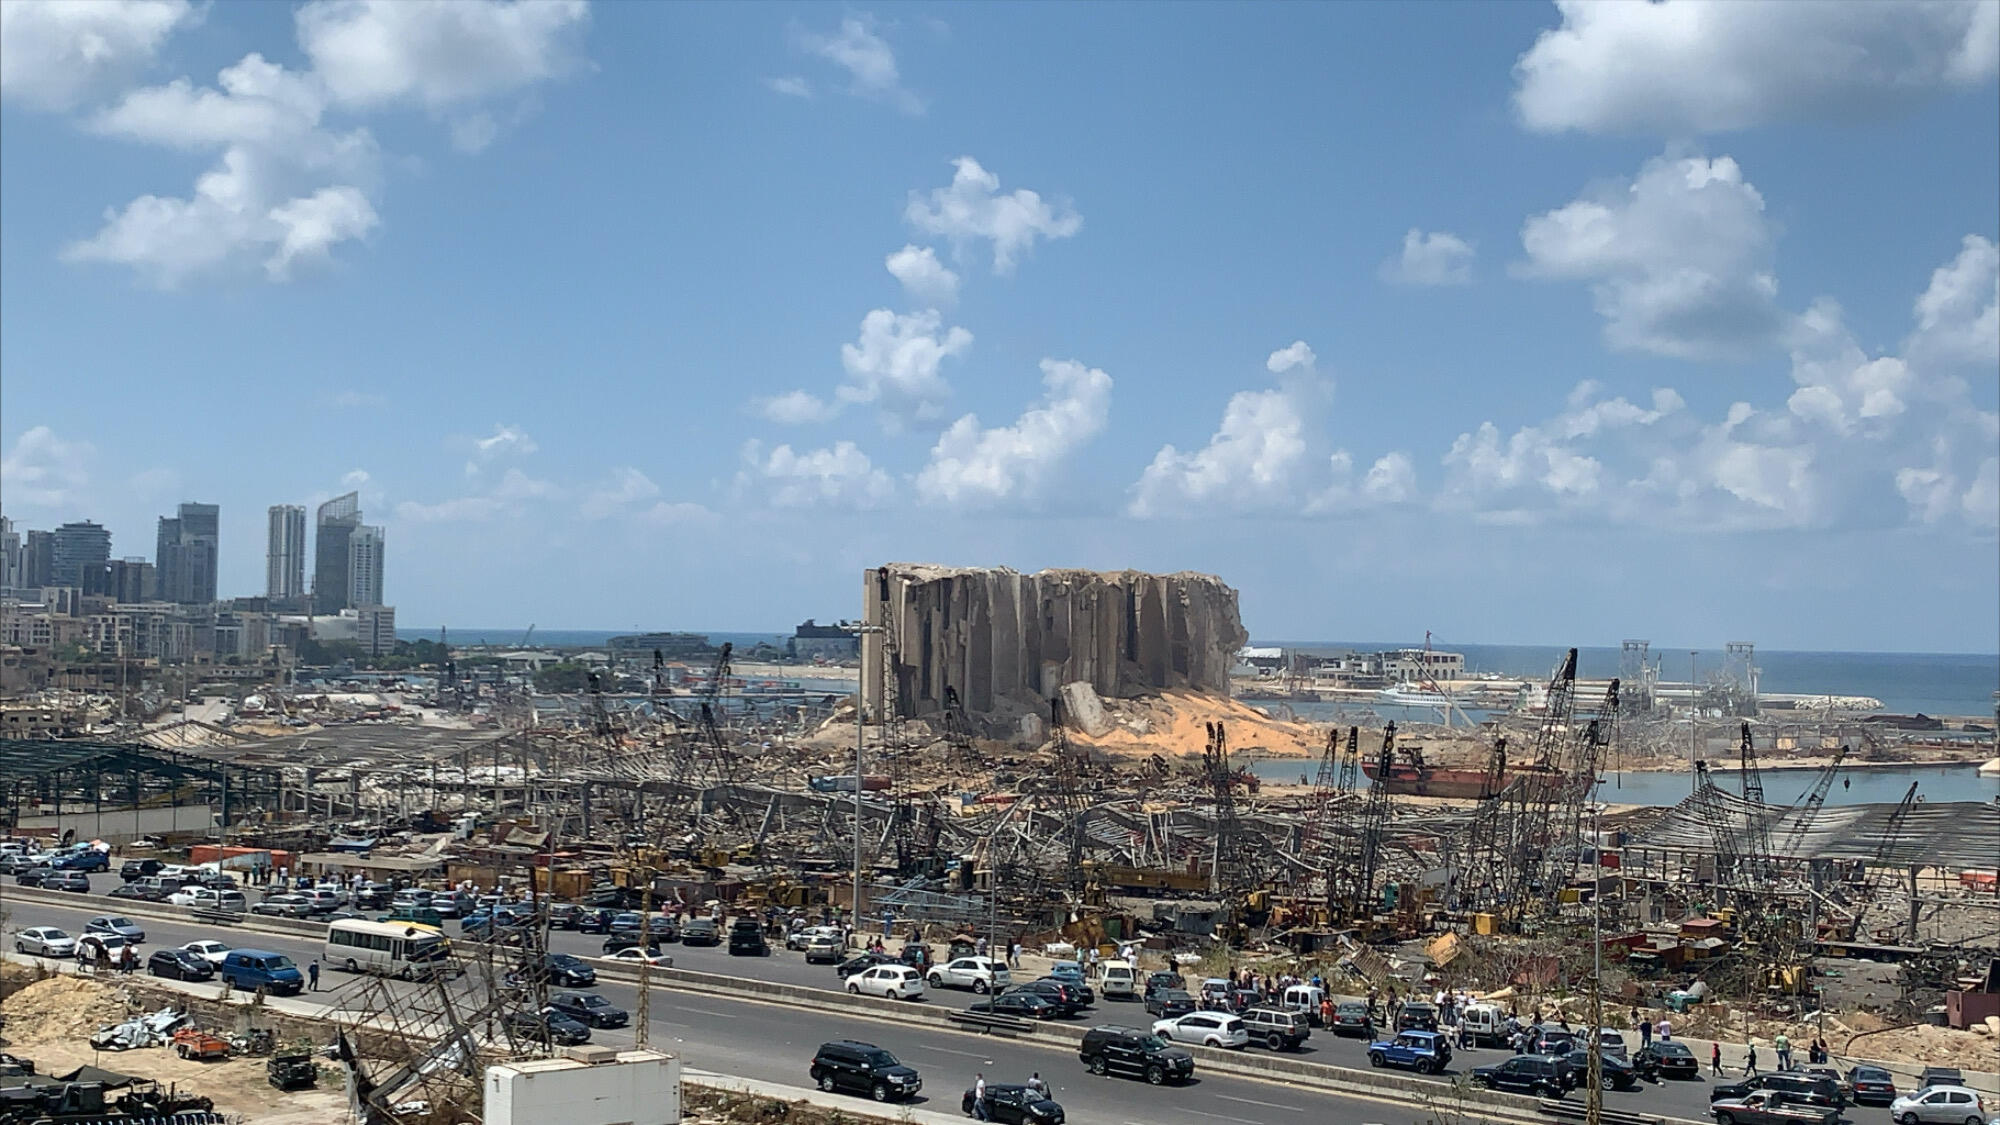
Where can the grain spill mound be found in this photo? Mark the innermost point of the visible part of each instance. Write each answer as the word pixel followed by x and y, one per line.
pixel 59 1009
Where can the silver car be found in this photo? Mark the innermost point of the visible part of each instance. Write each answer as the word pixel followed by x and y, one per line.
pixel 45 941
pixel 1938 1105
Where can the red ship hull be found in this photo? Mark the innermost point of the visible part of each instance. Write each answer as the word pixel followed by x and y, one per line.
pixel 1428 781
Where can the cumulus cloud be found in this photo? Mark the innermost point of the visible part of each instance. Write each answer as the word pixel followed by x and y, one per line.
pixel 839 477
pixel 45 471
pixel 975 467
pixel 790 85
pixel 1958 315
pixel 867 58
pixel 796 408
pixel 287 187
pixel 1678 261
pixel 894 364
pixel 1392 479
pixel 924 278
pixel 58 54
pixel 504 441
pixel 1434 258
pixel 1686 67
pixel 973 209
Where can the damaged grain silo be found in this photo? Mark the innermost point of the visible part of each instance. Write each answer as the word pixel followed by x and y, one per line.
pixel 1005 641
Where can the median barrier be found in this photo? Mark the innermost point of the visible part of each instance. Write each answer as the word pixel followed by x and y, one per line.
pixel 1576 1111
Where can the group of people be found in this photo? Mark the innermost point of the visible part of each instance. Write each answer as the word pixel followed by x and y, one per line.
pixel 981 1108
pixel 101 960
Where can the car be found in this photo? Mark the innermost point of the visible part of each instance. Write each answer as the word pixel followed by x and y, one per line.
pixel 701 931
pixel 1022 1005
pixel 373 896
pixel 136 868
pixel 13 863
pixel 1068 972
pixel 893 982
pixel 1080 993
pixel 101 945
pixel 564 916
pixel 633 955
pixel 589 1008
pixel 525 1023
pixel 863 1068
pixel 1162 980
pixel 563 970
pixel 624 939
pixel 1015 1105
pixel 1613 1073
pixel 1210 1029
pixel 1797 1087
pixel 33 876
pixel 980 974
pixel 208 898
pixel 1123 1050
pixel 283 905
pixel 1551 1041
pixel 67 881
pixel 179 964
pixel 1540 1075
pixel 625 921
pixel 1939 1076
pixel 746 939
pixel 116 924
pixel 1770 1107
pixel 1414 1015
pixel 663 928
pixel 211 951
pixel 137 892
pixel 1064 996
pixel 824 949
pixel 1277 1029
pixel 45 941
pixel 1938 1105
pixel 89 859
pixel 798 939
pixel 1168 1003
pixel 324 898
pixel 1351 1018
pixel 1668 1058
pixel 1869 1085
pixel 861 962
pixel 252 969
pixel 594 921
pixel 1426 1052
pixel 1117 978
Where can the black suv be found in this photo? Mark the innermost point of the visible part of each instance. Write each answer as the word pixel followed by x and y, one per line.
pixel 1812 1089
pixel 1613 1073
pixel 863 1068
pixel 1065 996
pixel 746 939
pixel 1542 1075
pixel 589 1009
pixel 563 970
pixel 139 868
pixel 1123 1050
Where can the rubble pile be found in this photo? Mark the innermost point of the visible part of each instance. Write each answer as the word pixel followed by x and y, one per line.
pixel 62 1008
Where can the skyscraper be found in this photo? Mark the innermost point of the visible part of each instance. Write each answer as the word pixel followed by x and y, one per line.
pixel 77 546
pixel 364 567
pixel 186 554
pixel 285 557
pixel 10 553
pixel 38 558
pixel 336 520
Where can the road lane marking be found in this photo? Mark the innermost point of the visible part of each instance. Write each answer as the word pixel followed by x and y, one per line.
pixel 705 1012
pixel 1226 1117
pixel 1254 1101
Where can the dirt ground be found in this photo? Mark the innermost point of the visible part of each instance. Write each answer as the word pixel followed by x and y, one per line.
pixel 51 1020
pixel 1175 724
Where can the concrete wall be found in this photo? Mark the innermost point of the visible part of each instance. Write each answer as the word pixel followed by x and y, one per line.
pixel 120 825
pixel 1007 641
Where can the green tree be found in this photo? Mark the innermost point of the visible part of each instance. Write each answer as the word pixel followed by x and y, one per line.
pixel 568 676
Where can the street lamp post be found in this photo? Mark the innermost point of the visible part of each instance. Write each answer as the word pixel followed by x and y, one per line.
pixel 860 736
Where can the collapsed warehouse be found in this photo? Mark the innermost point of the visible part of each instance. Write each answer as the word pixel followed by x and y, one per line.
pixel 685 798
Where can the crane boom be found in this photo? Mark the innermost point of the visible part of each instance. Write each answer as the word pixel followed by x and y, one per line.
pixel 1814 799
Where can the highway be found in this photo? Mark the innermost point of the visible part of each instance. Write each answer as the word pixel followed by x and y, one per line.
pixel 772 1043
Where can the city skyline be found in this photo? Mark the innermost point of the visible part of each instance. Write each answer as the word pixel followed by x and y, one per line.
pixel 1393 317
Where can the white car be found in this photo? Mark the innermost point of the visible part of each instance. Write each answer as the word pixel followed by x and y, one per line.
pixel 211 951
pixel 1938 1105
pixel 633 955
pixel 1210 1029
pixel 202 898
pixel 825 949
pixel 799 939
pixel 896 982
pixel 980 974
pixel 45 941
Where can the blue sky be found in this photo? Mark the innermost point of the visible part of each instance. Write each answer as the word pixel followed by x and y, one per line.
pixel 1513 322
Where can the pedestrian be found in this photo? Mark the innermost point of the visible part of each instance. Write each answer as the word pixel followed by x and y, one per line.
pixel 1784 1045
pixel 1715 1059
pixel 312 974
pixel 1036 1084
pixel 1326 1011
pixel 1645 1034
pixel 1664 1029
pixel 1014 955
pixel 1750 1060
pixel 979 1097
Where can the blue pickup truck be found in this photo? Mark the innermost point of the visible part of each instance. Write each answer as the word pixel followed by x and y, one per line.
pixel 1425 1052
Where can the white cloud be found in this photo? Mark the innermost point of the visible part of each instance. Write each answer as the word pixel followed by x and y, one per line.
pixel 45 471
pixel 58 54
pixel 1981 503
pixel 894 364
pixel 972 208
pixel 924 278
pixel 1434 258
pixel 1958 315
pixel 1682 67
pixel 790 85
pixel 974 467
pixel 797 408
pixel 868 60
pixel 517 485
pixel 1678 261
pixel 504 441
pixel 463 509
pixel 286 189
pixel 627 486
pixel 1549 463
pixel 1259 457
pixel 1392 479
pixel 354 479
pixel 838 477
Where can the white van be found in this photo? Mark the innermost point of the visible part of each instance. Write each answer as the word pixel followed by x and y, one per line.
pixel 1303 998
pixel 1484 1024
pixel 1116 978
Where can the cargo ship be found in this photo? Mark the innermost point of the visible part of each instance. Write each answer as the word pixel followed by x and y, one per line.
pixel 1412 776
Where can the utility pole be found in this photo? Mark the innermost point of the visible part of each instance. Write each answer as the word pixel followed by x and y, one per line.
pixel 1593 1112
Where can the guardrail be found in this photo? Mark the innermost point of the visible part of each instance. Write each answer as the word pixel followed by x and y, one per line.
pixel 1007 1027
pixel 1574 1111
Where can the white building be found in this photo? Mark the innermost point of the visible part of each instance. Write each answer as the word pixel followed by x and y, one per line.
pixel 375 628
pixel 364 567
pixel 285 552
